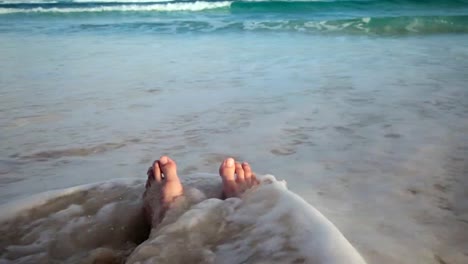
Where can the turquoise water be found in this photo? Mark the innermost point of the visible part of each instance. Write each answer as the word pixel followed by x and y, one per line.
pixel 360 105
pixel 362 17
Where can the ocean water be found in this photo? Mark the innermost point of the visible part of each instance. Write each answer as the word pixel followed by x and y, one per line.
pixel 360 106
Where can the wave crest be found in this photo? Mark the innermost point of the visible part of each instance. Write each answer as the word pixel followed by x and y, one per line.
pixel 168 7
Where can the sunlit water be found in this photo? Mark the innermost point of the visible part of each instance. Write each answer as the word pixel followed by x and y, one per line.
pixel 370 129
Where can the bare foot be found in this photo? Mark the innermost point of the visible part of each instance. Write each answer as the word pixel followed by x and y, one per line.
pixel 164 173
pixel 237 177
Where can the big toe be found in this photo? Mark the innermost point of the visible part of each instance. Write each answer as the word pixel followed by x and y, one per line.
pixel 227 169
pixel 168 168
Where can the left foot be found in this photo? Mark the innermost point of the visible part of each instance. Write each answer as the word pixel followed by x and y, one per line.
pixel 164 173
pixel 237 177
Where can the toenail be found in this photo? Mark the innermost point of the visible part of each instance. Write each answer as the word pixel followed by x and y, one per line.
pixel 163 160
pixel 229 162
pixel 245 164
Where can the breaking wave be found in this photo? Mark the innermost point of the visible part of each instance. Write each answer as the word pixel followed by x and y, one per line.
pixel 166 7
pixel 57 6
pixel 387 17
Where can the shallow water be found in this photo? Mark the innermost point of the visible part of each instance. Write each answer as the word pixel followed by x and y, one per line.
pixel 98 223
pixel 369 128
pixel 102 223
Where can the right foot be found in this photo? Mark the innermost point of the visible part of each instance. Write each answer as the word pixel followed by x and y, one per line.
pixel 237 177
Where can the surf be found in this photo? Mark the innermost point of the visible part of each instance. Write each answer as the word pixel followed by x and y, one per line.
pixel 103 222
pixel 377 18
pixel 111 7
pixel 283 7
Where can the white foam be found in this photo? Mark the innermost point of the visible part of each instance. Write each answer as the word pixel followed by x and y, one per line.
pixel 268 224
pixel 120 1
pixel 169 7
pixel 13 208
pixel 27 2
pixel 79 224
pixel 78 1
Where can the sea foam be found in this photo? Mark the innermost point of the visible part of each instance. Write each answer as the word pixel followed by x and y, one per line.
pixel 104 222
pixel 167 7
pixel 267 224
